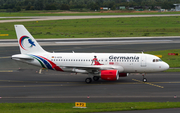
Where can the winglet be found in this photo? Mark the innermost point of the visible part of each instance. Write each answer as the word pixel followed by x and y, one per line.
pixel 27 43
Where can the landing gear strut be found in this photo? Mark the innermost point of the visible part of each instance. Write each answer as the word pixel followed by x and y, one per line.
pixel 95 78
pixel 144 79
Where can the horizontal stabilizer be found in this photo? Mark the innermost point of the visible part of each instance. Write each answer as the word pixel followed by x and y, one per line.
pixel 22 57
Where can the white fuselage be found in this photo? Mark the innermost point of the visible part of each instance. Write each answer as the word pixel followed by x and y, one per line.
pixel 74 62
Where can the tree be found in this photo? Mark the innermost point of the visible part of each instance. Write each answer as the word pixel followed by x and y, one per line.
pixel 39 5
pixel 50 7
pixel 94 6
pixel 64 7
pixel 167 5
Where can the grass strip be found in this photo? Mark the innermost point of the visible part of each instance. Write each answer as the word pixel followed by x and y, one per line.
pixel 68 13
pixel 102 27
pixel 172 70
pixel 91 107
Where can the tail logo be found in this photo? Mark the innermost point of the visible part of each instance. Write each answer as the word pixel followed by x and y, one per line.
pixel 26 42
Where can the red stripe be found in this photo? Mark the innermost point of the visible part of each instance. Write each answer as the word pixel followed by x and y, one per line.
pixel 20 42
pixel 53 64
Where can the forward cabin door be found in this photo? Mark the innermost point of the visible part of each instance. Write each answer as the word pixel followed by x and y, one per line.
pixel 143 61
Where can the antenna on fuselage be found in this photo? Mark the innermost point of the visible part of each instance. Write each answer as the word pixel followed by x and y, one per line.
pixel 142 51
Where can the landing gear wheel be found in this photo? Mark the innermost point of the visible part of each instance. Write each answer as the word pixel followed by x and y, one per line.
pixel 144 80
pixel 95 78
pixel 88 80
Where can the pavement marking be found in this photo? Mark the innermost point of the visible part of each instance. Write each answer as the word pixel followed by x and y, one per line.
pixel 50 84
pixel 82 96
pixel 166 82
pixel 148 83
pixel 6 71
pixel 115 41
pixel 5 57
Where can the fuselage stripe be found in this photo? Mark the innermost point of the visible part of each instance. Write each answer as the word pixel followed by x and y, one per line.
pixel 44 61
pixel 52 63
pixel 38 61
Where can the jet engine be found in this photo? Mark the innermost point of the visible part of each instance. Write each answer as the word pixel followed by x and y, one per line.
pixel 111 75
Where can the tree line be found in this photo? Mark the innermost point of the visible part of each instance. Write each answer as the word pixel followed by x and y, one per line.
pixel 18 5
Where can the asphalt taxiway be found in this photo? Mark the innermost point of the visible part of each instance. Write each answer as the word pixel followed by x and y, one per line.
pixel 30 86
pixel 20 82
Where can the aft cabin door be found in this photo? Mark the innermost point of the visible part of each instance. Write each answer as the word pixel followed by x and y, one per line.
pixel 143 61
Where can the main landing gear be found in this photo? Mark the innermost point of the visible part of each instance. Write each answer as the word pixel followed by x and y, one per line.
pixel 95 78
pixel 144 79
pixel 89 79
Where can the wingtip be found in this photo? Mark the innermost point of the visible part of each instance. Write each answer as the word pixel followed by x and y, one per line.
pixel 16 25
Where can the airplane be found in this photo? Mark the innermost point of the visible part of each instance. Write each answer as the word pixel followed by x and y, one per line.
pixel 107 66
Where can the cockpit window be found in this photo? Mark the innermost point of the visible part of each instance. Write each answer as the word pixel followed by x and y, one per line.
pixel 157 60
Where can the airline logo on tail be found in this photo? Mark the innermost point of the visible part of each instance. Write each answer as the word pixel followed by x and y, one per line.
pixel 28 40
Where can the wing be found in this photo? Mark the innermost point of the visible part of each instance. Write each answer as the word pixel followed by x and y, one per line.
pixel 92 68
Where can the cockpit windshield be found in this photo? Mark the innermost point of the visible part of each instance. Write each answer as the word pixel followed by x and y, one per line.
pixel 157 60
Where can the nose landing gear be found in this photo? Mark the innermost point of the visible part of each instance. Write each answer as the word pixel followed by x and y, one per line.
pixel 144 79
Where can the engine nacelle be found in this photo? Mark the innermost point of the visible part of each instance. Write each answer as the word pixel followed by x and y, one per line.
pixel 123 74
pixel 111 75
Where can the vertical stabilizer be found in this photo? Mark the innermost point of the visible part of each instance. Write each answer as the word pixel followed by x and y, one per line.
pixel 27 43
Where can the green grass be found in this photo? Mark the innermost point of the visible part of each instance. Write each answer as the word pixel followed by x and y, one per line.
pixel 173 61
pixel 103 27
pixel 172 70
pixel 91 107
pixel 55 13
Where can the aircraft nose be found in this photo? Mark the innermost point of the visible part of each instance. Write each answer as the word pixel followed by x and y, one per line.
pixel 165 66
